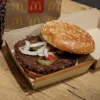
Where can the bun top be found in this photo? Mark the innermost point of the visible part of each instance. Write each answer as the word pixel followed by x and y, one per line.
pixel 67 37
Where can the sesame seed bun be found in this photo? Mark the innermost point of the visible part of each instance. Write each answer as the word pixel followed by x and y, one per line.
pixel 67 37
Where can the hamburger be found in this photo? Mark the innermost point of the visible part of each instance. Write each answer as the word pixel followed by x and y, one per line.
pixel 57 47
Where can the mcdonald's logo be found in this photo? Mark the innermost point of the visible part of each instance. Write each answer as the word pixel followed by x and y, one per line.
pixel 34 20
pixel 18 6
pixel 35 6
pixel 53 6
pixel 17 20
pixel 51 18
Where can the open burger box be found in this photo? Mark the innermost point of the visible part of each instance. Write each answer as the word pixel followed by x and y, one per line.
pixel 86 19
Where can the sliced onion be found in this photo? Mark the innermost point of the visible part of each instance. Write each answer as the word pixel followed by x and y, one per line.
pixel 41 50
pixel 38 44
pixel 25 49
pixel 28 52
pixel 76 62
pixel 32 52
pixel 41 54
pixel 46 52
pixel 27 46
pixel 12 50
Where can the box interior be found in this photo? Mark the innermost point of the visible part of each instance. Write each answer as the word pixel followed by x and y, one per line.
pixel 14 36
pixel 87 22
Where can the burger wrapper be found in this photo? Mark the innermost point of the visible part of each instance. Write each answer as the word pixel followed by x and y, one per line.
pixel 84 62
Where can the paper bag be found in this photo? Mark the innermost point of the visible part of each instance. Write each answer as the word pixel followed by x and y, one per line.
pixel 23 13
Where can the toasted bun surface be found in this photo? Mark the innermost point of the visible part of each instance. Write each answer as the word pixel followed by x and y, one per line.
pixel 67 37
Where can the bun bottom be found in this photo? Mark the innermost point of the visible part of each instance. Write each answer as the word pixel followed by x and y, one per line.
pixel 32 74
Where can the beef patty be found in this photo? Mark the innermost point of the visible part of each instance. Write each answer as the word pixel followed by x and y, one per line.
pixel 64 60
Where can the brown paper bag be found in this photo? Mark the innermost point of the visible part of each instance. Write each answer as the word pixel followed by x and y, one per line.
pixel 22 13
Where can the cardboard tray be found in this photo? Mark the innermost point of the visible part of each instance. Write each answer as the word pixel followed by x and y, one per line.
pixel 14 36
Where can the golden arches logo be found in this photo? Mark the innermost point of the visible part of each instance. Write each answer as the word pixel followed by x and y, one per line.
pixel 35 6
pixel 34 20
pixel 18 6
pixel 17 20
pixel 53 6
pixel 51 18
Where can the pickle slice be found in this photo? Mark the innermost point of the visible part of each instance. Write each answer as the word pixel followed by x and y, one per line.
pixel 42 61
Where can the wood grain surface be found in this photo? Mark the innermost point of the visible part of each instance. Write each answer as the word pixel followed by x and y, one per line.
pixel 13 85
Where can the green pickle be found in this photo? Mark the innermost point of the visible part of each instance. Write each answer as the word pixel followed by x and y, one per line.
pixel 42 61
pixel 36 48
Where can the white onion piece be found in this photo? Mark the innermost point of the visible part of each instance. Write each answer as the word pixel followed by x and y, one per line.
pixel 41 54
pixel 25 49
pixel 32 53
pixel 76 62
pixel 38 44
pixel 12 50
pixel 41 50
pixel 27 46
pixel 28 52
pixel 46 52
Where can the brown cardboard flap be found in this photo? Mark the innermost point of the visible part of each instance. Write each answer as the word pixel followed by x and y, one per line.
pixel 95 33
pixel 61 75
pixel 87 19
pixel 14 36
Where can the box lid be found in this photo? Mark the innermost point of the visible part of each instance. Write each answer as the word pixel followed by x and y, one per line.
pixel 95 33
pixel 87 19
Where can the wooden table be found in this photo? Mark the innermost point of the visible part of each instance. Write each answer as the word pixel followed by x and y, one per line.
pixel 13 85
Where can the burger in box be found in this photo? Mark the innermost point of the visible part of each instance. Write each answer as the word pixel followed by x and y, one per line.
pixel 57 47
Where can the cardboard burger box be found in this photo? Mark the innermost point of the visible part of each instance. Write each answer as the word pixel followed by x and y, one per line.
pixel 84 62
